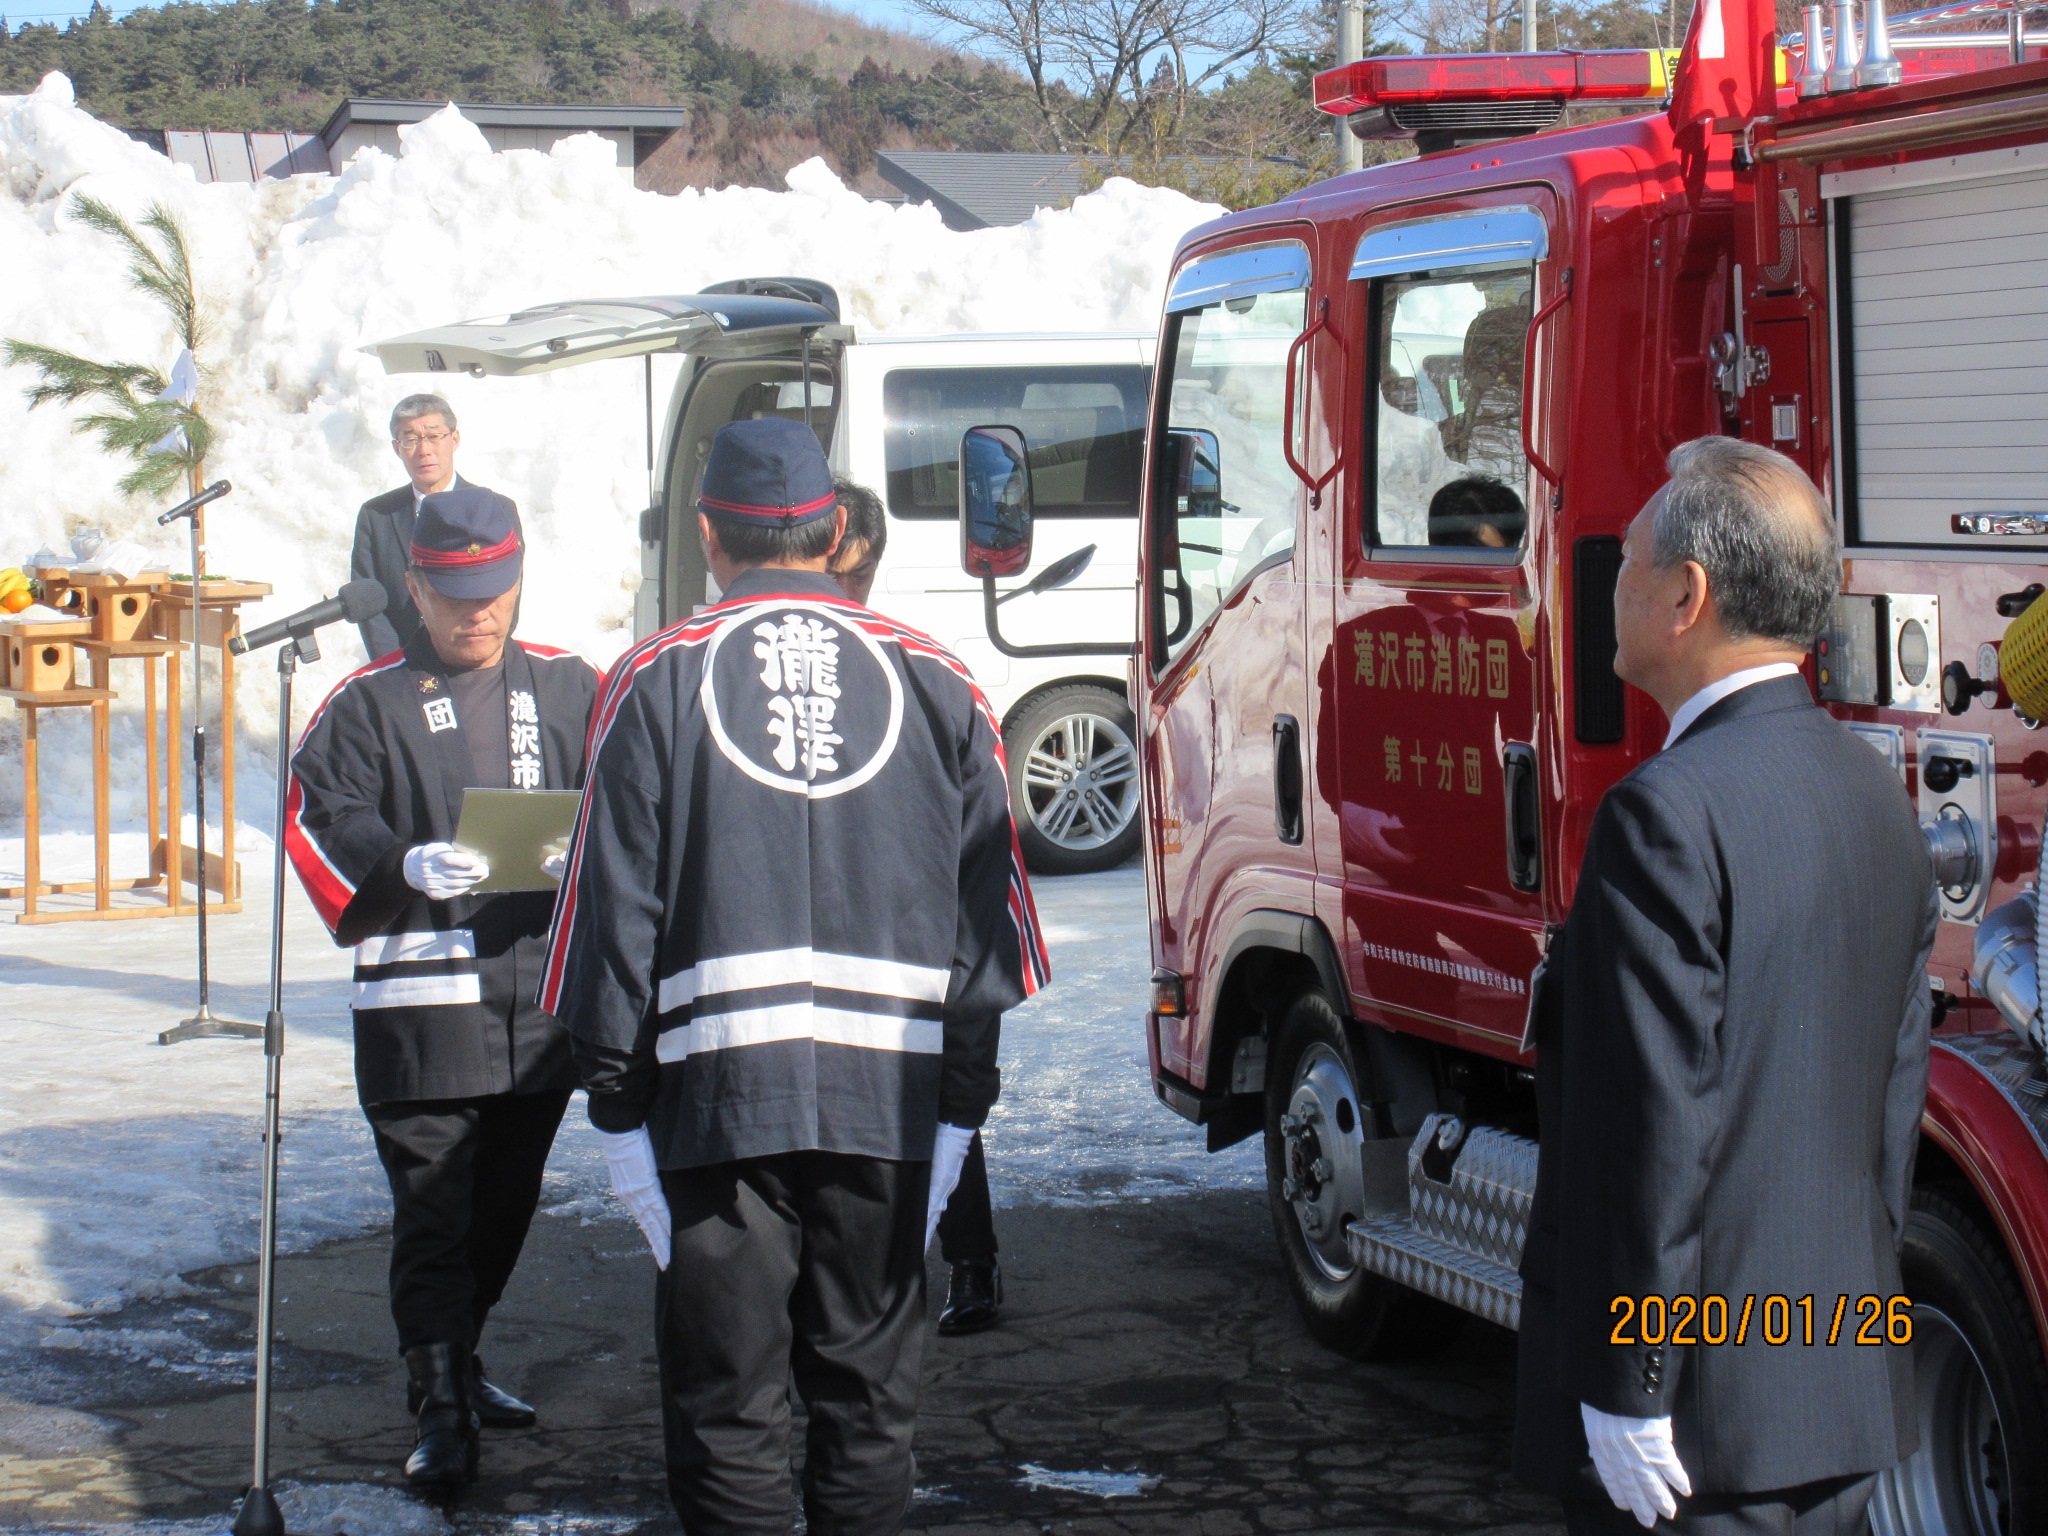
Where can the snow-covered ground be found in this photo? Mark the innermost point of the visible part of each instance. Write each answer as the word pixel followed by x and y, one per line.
pixel 296 276
pixel 124 1163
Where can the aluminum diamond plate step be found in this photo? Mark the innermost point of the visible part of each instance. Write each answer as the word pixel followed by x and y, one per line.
pixel 1392 1246
pixel 1469 1191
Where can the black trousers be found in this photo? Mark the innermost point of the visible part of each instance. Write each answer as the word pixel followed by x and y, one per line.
pixel 1837 1507
pixel 967 1226
pixel 465 1178
pixel 804 1268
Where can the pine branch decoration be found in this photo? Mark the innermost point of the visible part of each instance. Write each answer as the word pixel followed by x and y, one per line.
pixel 167 439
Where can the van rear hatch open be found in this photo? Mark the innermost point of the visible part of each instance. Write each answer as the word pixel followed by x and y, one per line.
pixel 548 336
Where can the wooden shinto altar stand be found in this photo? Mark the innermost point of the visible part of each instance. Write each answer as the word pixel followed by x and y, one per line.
pixel 109 619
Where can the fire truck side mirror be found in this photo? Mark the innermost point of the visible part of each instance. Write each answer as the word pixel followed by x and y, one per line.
pixel 995 502
pixel 1196 461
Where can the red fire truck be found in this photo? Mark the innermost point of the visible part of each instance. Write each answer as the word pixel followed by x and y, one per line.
pixel 1400 423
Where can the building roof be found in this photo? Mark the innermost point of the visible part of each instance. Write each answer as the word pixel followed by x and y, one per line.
pixel 215 155
pixel 362 109
pixel 978 191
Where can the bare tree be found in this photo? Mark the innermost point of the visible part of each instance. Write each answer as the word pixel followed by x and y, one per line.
pixel 1106 75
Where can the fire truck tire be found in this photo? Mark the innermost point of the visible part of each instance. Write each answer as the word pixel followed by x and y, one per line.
pixel 1982 1466
pixel 1314 1185
pixel 1073 756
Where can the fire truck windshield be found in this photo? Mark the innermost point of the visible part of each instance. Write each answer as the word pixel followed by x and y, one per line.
pixel 1233 508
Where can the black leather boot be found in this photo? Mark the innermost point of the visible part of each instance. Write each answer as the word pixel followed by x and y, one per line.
pixel 495 1407
pixel 974 1297
pixel 444 1454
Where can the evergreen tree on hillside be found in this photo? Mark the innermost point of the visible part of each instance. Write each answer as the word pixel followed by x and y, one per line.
pixel 284 64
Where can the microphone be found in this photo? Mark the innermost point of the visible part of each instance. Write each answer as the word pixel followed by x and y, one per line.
pixel 186 508
pixel 355 602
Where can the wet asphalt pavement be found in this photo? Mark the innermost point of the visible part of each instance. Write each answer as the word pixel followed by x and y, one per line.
pixel 1150 1341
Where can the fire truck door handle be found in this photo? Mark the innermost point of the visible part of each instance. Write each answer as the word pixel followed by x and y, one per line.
pixel 1525 821
pixel 1287 778
pixel 1315 485
pixel 1543 468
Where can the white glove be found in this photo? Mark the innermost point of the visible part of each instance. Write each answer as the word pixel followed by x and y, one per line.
pixel 949 1151
pixel 554 859
pixel 629 1155
pixel 1636 1463
pixel 439 871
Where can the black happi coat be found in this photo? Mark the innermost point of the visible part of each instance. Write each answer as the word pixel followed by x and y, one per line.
pixel 795 910
pixel 443 989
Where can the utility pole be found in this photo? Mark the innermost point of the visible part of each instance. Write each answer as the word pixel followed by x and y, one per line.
pixel 1529 44
pixel 1350 49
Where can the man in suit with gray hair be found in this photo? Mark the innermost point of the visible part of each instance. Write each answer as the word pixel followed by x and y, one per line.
pixel 424 436
pixel 1731 1056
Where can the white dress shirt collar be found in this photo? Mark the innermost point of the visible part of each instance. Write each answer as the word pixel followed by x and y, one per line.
pixel 1715 692
pixel 419 495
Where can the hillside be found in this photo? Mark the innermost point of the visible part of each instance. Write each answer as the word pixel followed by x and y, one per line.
pixel 769 82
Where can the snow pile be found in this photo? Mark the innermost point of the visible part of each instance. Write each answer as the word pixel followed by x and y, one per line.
pixel 297 276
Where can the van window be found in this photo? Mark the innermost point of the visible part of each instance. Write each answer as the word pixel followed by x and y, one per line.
pixel 1084 427
pixel 1449 471
pixel 1227 500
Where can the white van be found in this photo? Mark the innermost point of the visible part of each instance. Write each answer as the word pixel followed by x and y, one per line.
pixel 890 412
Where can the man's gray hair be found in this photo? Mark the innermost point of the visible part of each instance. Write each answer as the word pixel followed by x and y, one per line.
pixel 413 407
pixel 1753 521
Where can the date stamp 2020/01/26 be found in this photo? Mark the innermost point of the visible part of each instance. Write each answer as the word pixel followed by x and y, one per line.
pixel 1717 1319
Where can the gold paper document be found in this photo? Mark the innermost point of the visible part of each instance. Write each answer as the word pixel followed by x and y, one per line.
pixel 513 828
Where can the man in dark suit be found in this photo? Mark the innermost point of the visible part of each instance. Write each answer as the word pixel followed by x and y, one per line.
pixel 1731 1057
pixel 424 437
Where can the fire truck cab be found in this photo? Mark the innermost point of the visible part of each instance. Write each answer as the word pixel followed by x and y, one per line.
pixel 1400 424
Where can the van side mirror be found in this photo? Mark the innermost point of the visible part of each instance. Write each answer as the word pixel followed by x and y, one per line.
pixel 995 502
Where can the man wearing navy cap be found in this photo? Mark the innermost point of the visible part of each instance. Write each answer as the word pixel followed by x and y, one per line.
pixel 793 917
pixel 463 1079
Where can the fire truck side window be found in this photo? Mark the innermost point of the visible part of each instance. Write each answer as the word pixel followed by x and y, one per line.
pixel 1228 503
pixel 1448 353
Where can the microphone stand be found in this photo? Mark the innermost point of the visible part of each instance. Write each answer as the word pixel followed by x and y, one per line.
pixel 205 1024
pixel 259 1514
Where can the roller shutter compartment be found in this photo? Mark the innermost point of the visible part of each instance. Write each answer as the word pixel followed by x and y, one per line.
pixel 1945 351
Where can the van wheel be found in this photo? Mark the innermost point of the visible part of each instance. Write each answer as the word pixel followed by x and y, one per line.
pixel 1073 759
pixel 1980 1388
pixel 1315 1184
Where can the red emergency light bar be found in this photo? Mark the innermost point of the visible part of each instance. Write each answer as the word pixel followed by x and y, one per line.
pixel 1619 74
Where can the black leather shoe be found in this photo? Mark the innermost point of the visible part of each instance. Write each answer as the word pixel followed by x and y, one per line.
pixel 495 1407
pixel 974 1297
pixel 445 1449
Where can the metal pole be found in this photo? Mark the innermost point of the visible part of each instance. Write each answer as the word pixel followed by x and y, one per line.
pixel 259 1514
pixel 203 1025
pixel 647 361
pixel 1529 43
pixel 807 378
pixel 1350 49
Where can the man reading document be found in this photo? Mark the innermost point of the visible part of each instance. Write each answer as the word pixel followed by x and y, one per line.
pixel 463 1078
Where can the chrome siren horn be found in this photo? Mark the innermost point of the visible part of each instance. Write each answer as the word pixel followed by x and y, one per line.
pixel 1813 67
pixel 1880 66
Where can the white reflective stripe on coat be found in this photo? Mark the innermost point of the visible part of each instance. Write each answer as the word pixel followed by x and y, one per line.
pixel 789 967
pixel 397 948
pixel 419 991
pixel 800 1021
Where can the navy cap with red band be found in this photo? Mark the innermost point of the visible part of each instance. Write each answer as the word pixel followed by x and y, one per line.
pixel 465 543
pixel 767 472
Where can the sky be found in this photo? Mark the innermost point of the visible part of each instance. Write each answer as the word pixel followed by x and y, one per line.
pixel 887 13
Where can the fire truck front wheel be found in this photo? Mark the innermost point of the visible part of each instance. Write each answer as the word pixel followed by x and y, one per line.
pixel 1980 1385
pixel 1073 759
pixel 1315 1185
